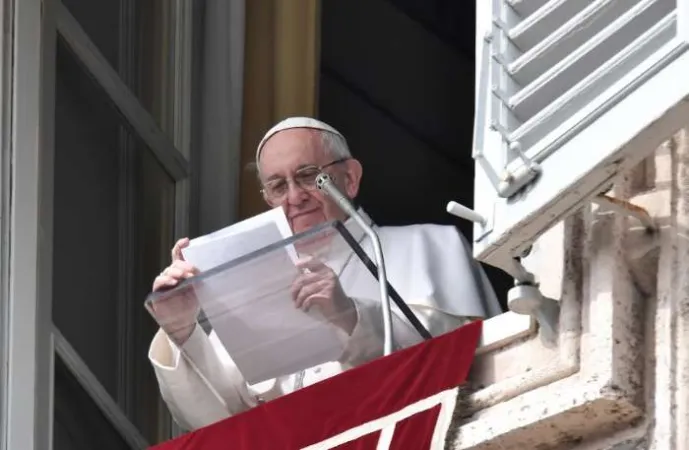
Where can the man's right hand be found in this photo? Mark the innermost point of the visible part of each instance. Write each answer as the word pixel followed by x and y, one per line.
pixel 176 314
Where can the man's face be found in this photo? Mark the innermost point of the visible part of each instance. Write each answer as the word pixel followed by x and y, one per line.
pixel 287 155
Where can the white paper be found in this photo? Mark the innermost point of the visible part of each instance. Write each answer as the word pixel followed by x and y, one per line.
pixel 239 239
pixel 250 305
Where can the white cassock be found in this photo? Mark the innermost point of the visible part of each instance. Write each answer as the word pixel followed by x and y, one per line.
pixel 430 266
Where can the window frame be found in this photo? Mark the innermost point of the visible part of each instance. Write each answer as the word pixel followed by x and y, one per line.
pixel 27 147
pixel 29 341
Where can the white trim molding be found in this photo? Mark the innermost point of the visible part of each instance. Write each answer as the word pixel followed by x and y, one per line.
pixel 5 214
pixel 28 86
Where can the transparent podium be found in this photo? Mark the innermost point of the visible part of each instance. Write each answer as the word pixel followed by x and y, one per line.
pixel 278 311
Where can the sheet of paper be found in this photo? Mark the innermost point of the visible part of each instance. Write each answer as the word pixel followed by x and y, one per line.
pixel 239 239
pixel 250 305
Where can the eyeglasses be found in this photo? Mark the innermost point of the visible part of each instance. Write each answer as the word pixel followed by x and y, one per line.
pixel 275 189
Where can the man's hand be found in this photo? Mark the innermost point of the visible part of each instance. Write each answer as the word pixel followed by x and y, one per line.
pixel 319 286
pixel 176 315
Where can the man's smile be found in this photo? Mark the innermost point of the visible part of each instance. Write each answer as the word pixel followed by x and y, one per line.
pixel 303 213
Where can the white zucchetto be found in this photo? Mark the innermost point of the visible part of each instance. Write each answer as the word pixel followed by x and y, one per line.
pixel 295 122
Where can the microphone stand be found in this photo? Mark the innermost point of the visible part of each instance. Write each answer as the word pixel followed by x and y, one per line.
pixel 325 183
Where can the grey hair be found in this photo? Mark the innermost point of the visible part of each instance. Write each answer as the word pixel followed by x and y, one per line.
pixel 335 145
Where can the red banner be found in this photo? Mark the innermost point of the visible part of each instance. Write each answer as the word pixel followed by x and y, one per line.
pixel 402 401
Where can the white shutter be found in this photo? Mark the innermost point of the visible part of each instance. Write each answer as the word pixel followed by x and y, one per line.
pixel 569 93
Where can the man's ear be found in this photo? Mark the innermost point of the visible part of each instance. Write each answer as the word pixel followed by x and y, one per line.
pixel 352 178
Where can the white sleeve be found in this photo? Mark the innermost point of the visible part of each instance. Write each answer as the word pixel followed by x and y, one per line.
pixel 201 386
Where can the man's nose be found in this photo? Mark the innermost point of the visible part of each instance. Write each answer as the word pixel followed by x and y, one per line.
pixel 296 194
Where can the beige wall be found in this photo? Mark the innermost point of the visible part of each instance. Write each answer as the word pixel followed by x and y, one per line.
pixel 618 376
pixel 280 77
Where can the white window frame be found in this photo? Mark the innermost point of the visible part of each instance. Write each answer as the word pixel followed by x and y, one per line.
pixel 577 171
pixel 28 50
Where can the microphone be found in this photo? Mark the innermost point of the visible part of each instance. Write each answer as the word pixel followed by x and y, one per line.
pixel 326 184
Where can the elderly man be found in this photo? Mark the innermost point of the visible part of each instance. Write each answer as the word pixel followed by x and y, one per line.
pixel 429 265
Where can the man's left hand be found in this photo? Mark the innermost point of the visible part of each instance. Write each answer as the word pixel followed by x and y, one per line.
pixel 319 286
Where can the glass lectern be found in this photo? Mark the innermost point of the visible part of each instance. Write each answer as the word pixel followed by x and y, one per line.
pixel 261 306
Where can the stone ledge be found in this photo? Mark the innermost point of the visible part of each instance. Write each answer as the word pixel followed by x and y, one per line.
pixel 570 414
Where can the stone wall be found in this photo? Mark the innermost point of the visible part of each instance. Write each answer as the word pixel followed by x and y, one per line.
pixel 618 375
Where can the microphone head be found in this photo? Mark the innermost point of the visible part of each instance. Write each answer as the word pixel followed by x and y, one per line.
pixel 322 179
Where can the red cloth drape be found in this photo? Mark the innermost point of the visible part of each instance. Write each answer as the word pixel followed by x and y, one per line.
pixel 358 396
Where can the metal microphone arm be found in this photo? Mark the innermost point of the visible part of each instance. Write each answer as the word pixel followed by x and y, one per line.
pixel 325 183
